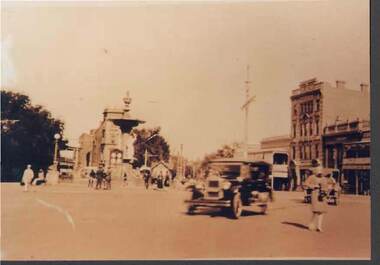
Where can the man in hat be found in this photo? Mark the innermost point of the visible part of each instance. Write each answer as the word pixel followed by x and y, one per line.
pixel 27 177
pixel 99 177
pixel 318 184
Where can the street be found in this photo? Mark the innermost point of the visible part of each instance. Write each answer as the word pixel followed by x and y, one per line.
pixel 71 222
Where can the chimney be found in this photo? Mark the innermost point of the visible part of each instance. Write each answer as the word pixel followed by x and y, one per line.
pixel 364 88
pixel 340 84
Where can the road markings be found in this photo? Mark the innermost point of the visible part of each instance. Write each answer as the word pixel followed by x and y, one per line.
pixel 69 218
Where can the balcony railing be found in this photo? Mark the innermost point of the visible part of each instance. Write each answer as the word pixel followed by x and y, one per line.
pixel 357 161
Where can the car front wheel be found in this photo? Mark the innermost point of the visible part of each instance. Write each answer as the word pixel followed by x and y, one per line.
pixel 191 209
pixel 236 207
pixel 263 209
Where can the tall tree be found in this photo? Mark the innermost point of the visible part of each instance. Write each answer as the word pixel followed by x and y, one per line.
pixel 155 144
pixel 226 151
pixel 27 135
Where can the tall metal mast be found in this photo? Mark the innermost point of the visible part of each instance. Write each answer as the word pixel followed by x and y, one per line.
pixel 245 107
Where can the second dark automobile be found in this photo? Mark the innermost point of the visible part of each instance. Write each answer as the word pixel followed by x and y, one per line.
pixel 232 184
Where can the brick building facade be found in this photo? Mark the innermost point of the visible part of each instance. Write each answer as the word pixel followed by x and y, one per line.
pixel 314 105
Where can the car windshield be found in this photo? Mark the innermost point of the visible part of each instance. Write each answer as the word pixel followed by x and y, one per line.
pixel 226 170
pixel 259 172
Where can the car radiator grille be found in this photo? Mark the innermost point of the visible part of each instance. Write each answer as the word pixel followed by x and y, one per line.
pixel 213 194
pixel 213 184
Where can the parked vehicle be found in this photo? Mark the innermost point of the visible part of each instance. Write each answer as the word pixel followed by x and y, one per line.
pixel 334 189
pixel 333 197
pixel 233 185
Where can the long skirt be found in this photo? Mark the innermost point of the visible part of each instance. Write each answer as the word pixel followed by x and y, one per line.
pixel 318 205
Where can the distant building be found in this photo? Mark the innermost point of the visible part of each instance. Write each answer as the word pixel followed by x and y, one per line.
pixel 163 168
pixel 240 148
pixel 282 141
pixel 273 150
pixel 111 143
pixel 347 148
pixel 315 104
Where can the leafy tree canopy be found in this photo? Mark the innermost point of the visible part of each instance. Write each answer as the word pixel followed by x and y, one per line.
pixel 155 144
pixel 226 151
pixel 27 135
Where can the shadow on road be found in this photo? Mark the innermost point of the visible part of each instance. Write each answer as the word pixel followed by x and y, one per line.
pixel 296 225
pixel 222 213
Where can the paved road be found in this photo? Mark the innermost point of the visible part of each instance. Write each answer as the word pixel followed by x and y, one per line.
pixel 72 222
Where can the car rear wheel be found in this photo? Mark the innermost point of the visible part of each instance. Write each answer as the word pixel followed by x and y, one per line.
pixel 191 209
pixel 236 207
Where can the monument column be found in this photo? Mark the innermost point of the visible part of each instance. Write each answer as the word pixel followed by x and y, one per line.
pixel 126 123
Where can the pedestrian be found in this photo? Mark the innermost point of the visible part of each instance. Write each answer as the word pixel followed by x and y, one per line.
pixel 318 199
pixel 91 178
pixel 108 178
pixel 99 177
pixel 125 179
pixel 40 180
pixel 160 181
pixel 146 176
pixel 166 179
pixel 27 177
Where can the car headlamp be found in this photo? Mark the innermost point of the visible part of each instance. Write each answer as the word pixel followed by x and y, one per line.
pixel 199 186
pixel 226 185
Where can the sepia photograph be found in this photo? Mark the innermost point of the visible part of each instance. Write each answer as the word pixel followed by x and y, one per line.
pixel 185 130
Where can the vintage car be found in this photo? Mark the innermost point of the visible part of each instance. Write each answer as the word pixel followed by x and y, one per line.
pixel 233 184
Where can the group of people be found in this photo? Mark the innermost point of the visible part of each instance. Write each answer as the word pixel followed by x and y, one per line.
pixel 100 178
pixel 28 178
pixel 321 185
pixel 159 182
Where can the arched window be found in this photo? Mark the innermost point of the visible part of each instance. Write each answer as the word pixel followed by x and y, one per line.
pixel 311 127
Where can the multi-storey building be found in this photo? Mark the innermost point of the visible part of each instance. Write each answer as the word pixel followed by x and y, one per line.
pixel 314 104
pixel 347 148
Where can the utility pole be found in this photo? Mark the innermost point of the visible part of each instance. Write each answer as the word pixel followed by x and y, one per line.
pixel 180 163
pixel 245 107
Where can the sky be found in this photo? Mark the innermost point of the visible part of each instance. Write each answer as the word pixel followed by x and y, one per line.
pixel 184 63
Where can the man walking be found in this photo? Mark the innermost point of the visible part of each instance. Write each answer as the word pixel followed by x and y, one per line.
pixel 91 178
pixel 27 177
pixel 146 178
pixel 99 177
pixel 125 179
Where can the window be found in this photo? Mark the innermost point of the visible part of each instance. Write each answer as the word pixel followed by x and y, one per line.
pixel 280 159
pixel 294 152
pixel 306 152
pixel 310 154
pixel 301 152
pixel 294 130
pixel 305 129
pixel 311 127
pixel 317 151
pixel 318 104
pixel 301 129
pixel 317 127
